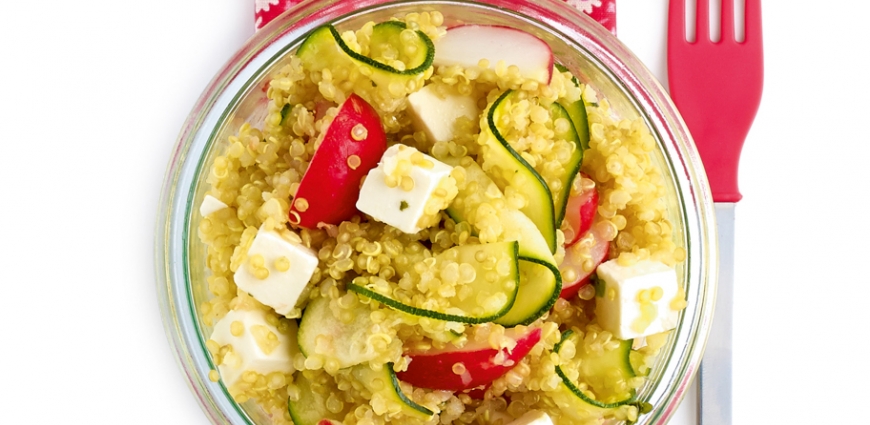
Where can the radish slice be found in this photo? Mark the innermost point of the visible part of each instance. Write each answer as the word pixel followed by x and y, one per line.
pixel 352 145
pixel 579 214
pixel 592 248
pixel 466 45
pixel 457 369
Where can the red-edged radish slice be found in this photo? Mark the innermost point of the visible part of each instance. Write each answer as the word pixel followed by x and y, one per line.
pixel 579 213
pixel 466 45
pixel 352 145
pixel 591 250
pixel 457 369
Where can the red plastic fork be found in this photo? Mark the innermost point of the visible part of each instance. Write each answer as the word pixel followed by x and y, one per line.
pixel 717 88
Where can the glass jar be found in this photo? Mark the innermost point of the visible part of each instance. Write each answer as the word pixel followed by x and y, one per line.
pixel 234 96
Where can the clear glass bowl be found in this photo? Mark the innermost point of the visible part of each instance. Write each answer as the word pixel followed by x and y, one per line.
pixel 234 96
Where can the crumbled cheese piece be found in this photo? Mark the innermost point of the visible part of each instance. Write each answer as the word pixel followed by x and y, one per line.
pixel 636 300
pixel 407 189
pixel 210 205
pixel 435 109
pixel 533 417
pixel 276 271
pixel 256 345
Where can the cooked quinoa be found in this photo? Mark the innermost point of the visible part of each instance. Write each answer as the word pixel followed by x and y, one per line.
pixel 258 174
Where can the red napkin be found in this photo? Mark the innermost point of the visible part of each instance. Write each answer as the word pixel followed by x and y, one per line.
pixel 603 11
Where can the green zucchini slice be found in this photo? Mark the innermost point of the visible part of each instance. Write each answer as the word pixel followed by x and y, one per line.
pixel 607 372
pixel 311 408
pixel 487 295
pixel 583 405
pixel 577 112
pixel 540 280
pixel 384 384
pixel 325 48
pixel 507 167
pixel 572 167
pixel 387 41
pixel 349 342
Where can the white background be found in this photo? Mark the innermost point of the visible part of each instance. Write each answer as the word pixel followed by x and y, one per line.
pixel 94 92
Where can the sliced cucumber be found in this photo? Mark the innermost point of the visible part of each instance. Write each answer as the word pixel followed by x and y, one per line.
pixel 578 407
pixel 516 225
pixel 310 408
pixel 572 167
pixel 489 298
pixel 507 167
pixel 386 41
pixel 585 405
pixel 607 372
pixel 539 290
pixel 540 280
pixel 348 343
pixel 577 112
pixel 324 48
pixel 384 384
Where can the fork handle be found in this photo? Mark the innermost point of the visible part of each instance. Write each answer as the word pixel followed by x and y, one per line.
pixel 719 142
pixel 714 376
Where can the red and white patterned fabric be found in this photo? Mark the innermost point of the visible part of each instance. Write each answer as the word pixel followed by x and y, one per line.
pixel 603 11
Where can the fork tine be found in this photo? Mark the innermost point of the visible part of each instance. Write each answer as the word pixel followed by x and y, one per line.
pixel 702 20
pixel 676 22
pixel 727 26
pixel 752 22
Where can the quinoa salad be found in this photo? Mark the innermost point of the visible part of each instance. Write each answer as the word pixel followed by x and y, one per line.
pixel 429 228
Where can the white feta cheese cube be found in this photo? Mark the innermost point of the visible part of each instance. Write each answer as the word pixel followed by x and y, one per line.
pixel 256 345
pixel 435 109
pixel 533 417
pixel 210 205
pixel 277 270
pixel 398 206
pixel 637 300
